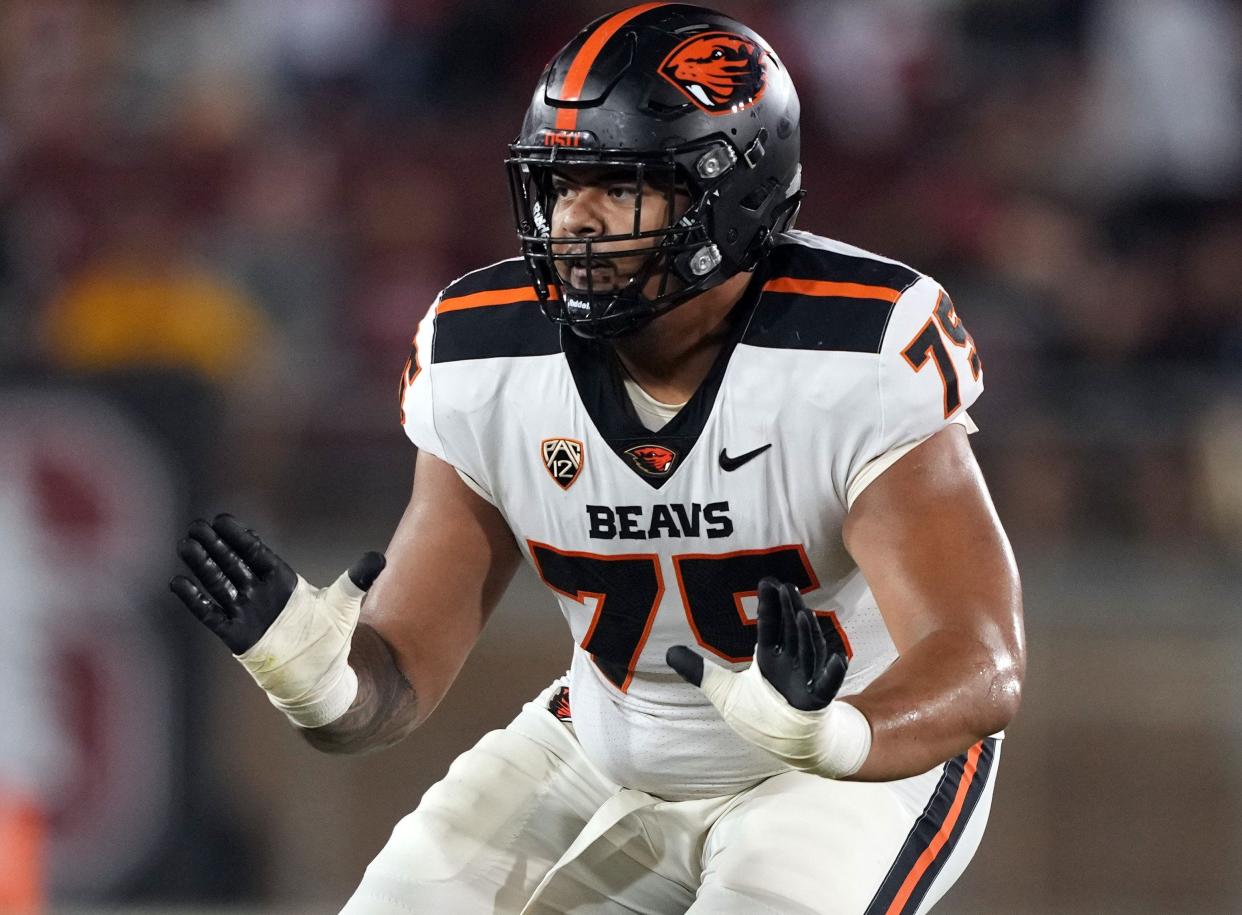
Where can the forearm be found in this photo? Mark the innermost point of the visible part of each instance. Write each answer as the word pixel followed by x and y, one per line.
pixel 945 693
pixel 385 710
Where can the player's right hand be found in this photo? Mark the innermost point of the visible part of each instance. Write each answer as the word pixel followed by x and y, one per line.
pixel 242 585
pixel 292 637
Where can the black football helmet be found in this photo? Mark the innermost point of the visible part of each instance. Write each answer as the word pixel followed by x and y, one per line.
pixel 692 102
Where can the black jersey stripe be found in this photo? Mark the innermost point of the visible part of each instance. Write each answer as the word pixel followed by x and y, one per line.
pixel 802 261
pixel 486 332
pixel 492 312
pixel 936 833
pixel 839 323
pixel 820 299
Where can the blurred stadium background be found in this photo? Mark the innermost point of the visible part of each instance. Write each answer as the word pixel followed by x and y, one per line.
pixel 220 221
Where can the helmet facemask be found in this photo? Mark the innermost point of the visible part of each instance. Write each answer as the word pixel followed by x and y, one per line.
pixel 605 286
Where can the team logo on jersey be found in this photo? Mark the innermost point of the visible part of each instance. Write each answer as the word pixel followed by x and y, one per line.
pixel 653 460
pixel 719 71
pixel 563 458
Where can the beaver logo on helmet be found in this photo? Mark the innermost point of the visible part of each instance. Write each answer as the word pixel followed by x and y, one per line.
pixel 721 72
pixel 653 460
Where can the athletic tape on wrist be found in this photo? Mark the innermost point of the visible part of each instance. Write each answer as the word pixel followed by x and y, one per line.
pixel 832 742
pixel 302 661
pixel 324 709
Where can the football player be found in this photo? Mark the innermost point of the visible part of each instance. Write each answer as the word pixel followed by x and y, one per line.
pixel 737 454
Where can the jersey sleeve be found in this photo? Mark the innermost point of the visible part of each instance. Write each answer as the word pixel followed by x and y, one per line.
pixel 927 376
pixel 419 416
pixel 416 396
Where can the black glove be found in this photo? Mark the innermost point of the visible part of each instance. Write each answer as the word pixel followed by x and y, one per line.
pixel 242 585
pixel 791 651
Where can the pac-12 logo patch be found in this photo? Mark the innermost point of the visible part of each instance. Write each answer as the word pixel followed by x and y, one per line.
pixel 718 71
pixel 563 458
pixel 653 460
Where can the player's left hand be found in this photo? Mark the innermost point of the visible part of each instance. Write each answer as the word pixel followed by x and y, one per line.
pixel 783 703
pixel 791 651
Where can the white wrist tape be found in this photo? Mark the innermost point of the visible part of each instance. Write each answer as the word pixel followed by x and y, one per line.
pixel 833 741
pixel 302 661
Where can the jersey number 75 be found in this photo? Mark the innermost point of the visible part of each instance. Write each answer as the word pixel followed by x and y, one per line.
pixel 928 345
pixel 629 588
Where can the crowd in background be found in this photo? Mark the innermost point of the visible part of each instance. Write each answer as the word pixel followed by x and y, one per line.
pixel 265 195
pixel 229 216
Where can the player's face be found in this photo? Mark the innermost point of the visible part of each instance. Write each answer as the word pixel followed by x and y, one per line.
pixel 592 202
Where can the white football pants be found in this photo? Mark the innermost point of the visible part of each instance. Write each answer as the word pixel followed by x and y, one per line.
pixel 523 823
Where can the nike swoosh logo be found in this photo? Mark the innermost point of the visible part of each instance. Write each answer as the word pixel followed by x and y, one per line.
pixel 733 463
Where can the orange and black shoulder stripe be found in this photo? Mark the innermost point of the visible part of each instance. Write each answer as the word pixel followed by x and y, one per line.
pixel 815 299
pixel 492 313
pixel 936 833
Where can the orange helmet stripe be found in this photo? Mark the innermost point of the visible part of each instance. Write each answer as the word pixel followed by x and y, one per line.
pixel 575 79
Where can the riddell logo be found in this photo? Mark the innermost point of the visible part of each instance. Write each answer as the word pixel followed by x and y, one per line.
pixel 653 460
pixel 719 71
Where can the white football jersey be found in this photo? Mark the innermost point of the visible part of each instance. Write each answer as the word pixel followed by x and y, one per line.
pixel 652 539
